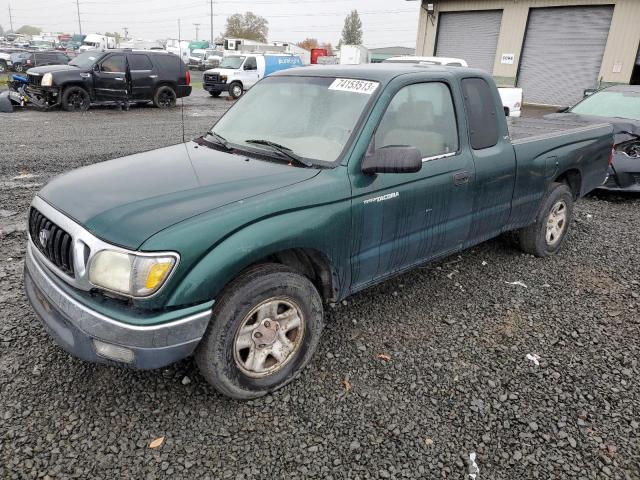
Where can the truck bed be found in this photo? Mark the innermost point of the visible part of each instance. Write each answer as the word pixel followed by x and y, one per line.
pixel 528 129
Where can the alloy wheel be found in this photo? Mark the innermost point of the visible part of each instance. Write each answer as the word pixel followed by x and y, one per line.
pixel 556 223
pixel 269 337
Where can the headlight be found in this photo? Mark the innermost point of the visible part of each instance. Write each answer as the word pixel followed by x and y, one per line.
pixel 130 274
pixel 223 78
pixel 47 80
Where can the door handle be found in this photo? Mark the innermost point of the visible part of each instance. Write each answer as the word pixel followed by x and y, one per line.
pixel 119 78
pixel 461 178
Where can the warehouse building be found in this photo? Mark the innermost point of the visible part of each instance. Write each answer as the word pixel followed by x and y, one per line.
pixel 552 49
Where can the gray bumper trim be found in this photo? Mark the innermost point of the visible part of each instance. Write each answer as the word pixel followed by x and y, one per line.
pixel 97 325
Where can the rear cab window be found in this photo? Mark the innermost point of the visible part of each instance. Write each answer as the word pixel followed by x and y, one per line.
pixel 421 115
pixel 481 113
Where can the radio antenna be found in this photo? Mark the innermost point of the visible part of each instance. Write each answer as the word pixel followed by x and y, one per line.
pixel 182 66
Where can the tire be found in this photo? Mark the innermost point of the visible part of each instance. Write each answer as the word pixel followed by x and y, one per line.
pixel 19 68
pixel 225 361
pixel 3 66
pixel 165 97
pixel 215 94
pixel 546 236
pixel 75 99
pixel 235 90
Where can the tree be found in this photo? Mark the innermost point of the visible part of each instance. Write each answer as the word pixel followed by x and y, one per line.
pixel 352 31
pixel 29 30
pixel 328 47
pixel 1 31
pixel 308 43
pixel 248 26
pixel 116 35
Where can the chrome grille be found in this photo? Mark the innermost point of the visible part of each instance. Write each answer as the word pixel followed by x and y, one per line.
pixel 54 243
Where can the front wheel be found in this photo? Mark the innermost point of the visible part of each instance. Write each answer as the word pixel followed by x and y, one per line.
pixel 165 97
pixel 546 236
pixel 235 90
pixel 265 328
pixel 75 99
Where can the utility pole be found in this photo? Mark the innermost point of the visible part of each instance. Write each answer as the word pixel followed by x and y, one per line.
pixel 126 32
pixel 10 19
pixel 78 9
pixel 197 25
pixel 211 2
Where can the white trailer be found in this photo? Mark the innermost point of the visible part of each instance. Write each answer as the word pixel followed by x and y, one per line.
pixel 95 41
pixel 354 55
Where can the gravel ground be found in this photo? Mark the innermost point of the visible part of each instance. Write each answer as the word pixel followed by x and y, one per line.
pixel 412 377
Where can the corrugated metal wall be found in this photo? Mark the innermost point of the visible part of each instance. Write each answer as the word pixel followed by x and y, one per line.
pixel 562 53
pixel 472 36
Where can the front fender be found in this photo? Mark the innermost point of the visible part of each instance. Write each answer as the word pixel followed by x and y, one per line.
pixel 320 229
pixel 215 247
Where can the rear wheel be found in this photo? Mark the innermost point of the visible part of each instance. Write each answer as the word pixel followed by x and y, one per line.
pixel 215 94
pixel 235 90
pixel 3 66
pixel 19 68
pixel 165 97
pixel 546 236
pixel 265 328
pixel 75 99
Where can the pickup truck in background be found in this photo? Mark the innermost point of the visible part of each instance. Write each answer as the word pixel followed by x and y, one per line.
pixel 320 182
pixel 511 96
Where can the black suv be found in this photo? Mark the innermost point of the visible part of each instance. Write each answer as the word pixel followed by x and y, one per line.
pixel 21 63
pixel 113 76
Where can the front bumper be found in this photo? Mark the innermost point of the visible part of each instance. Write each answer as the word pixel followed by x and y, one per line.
pixel 74 326
pixel 215 87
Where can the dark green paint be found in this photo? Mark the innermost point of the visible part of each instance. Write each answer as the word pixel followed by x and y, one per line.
pixel 223 213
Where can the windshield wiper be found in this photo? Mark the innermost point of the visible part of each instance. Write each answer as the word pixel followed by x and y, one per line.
pixel 220 141
pixel 284 151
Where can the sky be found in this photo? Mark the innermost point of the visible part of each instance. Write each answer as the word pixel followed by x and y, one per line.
pixel 385 22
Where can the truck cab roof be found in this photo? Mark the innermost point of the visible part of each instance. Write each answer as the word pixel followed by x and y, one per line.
pixel 384 72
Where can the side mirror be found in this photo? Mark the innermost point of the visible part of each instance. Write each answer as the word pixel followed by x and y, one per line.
pixel 96 68
pixel 563 110
pixel 392 159
pixel 588 92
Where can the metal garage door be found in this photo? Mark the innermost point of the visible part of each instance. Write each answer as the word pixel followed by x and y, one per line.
pixel 472 36
pixel 562 53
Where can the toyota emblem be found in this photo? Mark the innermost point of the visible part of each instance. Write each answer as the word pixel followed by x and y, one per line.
pixel 43 236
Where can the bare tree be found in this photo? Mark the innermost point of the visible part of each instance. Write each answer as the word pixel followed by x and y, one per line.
pixel 249 26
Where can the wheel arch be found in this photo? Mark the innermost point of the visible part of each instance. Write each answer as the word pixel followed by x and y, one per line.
pixel 573 179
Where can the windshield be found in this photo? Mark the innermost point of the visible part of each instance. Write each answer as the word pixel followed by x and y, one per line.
pixel 231 62
pixel 610 104
pixel 85 60
pixel 314 117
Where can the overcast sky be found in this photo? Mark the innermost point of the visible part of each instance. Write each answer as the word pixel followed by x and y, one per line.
pixel 385 22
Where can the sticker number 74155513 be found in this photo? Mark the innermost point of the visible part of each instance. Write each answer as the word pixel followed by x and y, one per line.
pixel 352 85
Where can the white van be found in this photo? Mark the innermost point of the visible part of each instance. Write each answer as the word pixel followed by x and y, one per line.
pixel 511 96
pixel 238 73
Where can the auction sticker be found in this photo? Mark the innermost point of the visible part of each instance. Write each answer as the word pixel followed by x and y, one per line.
pixel 352 85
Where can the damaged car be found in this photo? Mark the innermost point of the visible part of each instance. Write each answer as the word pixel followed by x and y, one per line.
pixel 120 76
pixel 620 106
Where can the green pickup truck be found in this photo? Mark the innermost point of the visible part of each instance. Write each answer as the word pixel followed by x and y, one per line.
pixel 318 183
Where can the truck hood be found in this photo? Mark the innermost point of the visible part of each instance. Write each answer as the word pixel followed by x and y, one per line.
pixel 127 200
pixel 54 69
